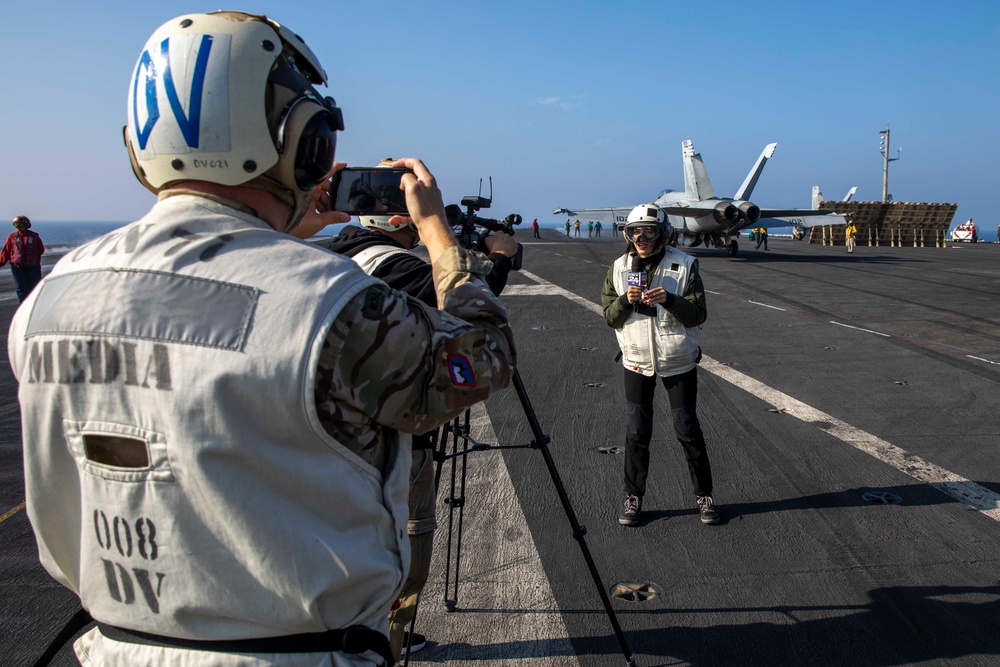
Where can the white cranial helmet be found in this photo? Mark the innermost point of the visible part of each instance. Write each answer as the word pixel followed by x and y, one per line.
pixel 379 222
pixel 646 214
pixel 229 98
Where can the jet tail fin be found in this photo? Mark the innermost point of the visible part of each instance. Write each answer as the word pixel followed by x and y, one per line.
pixel 697 185
pixel 751 180
pixel 817 197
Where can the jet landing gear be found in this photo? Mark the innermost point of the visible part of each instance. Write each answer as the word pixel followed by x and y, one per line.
pixel 726 242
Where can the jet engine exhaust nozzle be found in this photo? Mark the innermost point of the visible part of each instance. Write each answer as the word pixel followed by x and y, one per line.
pixel 725 212
pixel 750 211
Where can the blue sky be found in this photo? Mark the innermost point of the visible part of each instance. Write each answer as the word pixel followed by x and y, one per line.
pixel 575 104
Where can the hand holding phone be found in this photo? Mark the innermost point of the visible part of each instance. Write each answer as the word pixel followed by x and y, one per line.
pixel 370 191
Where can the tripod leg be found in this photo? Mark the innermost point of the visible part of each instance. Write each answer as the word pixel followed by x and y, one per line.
pixel 455 501
pixel 449 429
pixel 541 441
pixel 409 639
pixel 461 505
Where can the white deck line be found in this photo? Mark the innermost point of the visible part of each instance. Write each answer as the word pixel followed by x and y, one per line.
pixel 848 326
pixel 758 303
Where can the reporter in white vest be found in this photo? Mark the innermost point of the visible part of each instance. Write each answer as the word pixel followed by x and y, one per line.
pixel 213 411
pixel 654 299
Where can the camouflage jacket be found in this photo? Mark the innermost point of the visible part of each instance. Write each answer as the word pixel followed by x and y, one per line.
pixel 405 271
pixel 391 362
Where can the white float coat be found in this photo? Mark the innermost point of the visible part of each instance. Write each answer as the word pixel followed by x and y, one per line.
pixel 249 520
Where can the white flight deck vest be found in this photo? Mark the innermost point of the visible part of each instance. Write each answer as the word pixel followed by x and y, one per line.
pixel 190 339
pixel 660 344
pixel 371 257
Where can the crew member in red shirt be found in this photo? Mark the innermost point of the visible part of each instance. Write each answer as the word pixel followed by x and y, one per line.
pixel 23 250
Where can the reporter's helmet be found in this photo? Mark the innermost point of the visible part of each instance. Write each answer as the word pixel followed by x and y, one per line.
pixel 648 215
pixel 382 221
pixel 230 98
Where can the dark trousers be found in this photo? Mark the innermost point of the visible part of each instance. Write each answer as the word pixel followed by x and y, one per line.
pixel 682 391
pixel 25 279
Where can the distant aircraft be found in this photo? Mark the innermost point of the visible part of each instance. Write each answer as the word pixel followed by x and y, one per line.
pixel 818 197
pixel 699 216
pixel 799 231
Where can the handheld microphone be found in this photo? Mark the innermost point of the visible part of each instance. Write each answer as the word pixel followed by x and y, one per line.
pixel 636 276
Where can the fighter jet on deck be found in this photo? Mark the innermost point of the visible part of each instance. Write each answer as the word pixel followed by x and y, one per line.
pixel 699 216
pixel 818 198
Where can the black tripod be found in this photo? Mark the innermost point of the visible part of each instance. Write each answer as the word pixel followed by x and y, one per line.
pixel 461 439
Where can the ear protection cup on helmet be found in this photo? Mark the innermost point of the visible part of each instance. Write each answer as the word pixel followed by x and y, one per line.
pixel 306 141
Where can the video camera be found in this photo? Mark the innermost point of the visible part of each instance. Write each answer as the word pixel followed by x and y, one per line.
pixel 472 230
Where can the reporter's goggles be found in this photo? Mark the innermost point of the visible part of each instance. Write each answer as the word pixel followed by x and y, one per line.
pixel 646 233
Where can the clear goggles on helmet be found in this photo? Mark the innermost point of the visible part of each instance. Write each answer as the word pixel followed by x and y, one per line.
pixel 645 232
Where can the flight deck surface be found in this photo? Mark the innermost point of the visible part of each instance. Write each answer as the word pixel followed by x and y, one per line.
pixel 849 405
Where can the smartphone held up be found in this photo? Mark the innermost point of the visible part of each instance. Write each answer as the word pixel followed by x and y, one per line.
pixel 369 191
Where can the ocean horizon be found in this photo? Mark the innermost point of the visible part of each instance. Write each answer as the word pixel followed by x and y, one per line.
pixel 62 235
pixel 68 233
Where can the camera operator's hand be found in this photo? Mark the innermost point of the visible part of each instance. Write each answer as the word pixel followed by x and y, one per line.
pixel 502 243
pixel 319 214
pixel 426 208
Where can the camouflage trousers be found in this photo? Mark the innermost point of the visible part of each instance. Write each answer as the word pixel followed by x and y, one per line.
pixel 423 498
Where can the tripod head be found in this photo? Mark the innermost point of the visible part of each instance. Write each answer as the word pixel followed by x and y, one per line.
pixel 472 229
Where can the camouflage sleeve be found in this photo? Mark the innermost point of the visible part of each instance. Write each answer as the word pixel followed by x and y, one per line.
pixel 392 362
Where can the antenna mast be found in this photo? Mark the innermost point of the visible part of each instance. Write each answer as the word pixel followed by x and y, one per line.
pixel 884 149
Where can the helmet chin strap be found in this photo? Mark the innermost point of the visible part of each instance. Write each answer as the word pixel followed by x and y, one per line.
pixel 413 234
pixel 297 202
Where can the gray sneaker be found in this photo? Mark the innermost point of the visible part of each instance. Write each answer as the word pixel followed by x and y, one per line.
pixel 633 508
pixel 418 642
pixel 706 507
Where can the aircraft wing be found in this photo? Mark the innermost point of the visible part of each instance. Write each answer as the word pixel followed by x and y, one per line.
pixel 791 212
pixel 687 211
pixel 797 218
pixel 620 213
pixel 608 215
